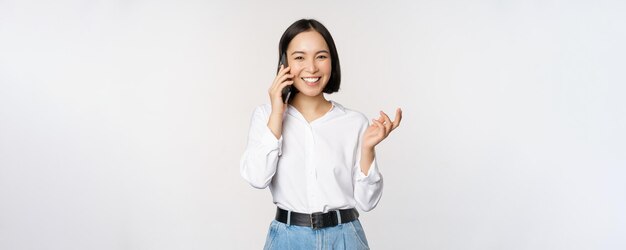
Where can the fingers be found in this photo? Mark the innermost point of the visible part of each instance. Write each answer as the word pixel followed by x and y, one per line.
pixel 282 75
pixel 284 84
pixel 281 81
pixel 387 122
pixel 380 126
pixel 283 69
pixel 398 117
pixel 281 78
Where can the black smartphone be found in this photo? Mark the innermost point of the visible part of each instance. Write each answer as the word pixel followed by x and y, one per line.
pixel 286 92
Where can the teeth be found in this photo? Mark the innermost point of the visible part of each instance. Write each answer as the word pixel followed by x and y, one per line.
pixel 310 79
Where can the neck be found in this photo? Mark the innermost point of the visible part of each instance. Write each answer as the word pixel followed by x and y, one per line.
pixel 311 104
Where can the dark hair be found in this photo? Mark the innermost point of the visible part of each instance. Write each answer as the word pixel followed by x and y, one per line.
pixel 303 25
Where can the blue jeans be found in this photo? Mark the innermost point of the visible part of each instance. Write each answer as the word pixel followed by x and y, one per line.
pixel 343 236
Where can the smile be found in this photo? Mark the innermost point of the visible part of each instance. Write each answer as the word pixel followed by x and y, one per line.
pixel 311 80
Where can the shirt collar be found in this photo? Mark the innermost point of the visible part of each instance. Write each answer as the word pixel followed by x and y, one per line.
pixel 338 106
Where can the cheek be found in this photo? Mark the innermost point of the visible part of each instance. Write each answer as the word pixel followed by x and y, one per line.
pixel 295 69
pixel 326 66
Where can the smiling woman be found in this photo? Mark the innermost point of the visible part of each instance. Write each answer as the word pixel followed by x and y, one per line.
pixel 309 62
pixel 316 156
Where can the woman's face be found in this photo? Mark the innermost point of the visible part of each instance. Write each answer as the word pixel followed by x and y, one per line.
pixel 309 58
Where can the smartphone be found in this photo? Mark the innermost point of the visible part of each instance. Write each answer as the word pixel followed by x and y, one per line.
pixel 286 92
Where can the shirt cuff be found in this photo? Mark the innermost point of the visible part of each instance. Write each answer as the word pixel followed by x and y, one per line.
pixel 270 140
pixel 373 175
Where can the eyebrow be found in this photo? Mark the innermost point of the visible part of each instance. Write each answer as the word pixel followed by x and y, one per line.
pixel 302 52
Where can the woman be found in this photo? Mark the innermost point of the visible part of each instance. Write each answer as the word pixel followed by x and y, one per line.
pixel 316 156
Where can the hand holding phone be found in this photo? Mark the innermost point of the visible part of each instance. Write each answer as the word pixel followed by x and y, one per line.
pixel 287 90
pixel 279 94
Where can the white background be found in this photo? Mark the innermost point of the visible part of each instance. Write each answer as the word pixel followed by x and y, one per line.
pixel 122 122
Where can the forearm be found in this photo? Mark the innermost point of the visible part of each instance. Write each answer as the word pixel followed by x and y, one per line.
pixel 367 157
pixel 368 185
pixel 275 123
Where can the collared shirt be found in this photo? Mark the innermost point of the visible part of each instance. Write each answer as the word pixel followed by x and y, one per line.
pixel 312 167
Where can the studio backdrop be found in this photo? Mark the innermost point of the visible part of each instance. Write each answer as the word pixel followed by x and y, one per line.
pixel 122 122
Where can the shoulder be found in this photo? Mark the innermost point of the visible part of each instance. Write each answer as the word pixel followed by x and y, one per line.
pixel 262 111
pixel 352 114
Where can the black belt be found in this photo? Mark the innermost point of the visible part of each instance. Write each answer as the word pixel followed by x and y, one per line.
pixel 317 220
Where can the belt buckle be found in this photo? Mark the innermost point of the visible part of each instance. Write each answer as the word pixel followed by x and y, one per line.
pixel 316 220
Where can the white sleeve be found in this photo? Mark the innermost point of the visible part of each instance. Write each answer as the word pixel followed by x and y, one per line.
pixel 259 160
pixel 367 188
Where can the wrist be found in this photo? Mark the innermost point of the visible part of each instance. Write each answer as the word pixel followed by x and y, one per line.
pixel 368 149
pixel 368 153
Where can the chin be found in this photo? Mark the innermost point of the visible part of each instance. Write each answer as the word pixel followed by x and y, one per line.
pixel 308 91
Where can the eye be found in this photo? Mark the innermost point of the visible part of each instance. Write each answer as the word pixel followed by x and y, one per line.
pixel 298 58
pixel 322 57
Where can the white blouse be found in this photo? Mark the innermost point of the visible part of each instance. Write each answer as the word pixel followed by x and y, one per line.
pixel 313 167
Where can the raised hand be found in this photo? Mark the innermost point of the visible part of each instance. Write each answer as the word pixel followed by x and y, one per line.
pixel 282 79
pixel 380 129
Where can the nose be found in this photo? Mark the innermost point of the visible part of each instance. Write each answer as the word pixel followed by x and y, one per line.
pixel 311 67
